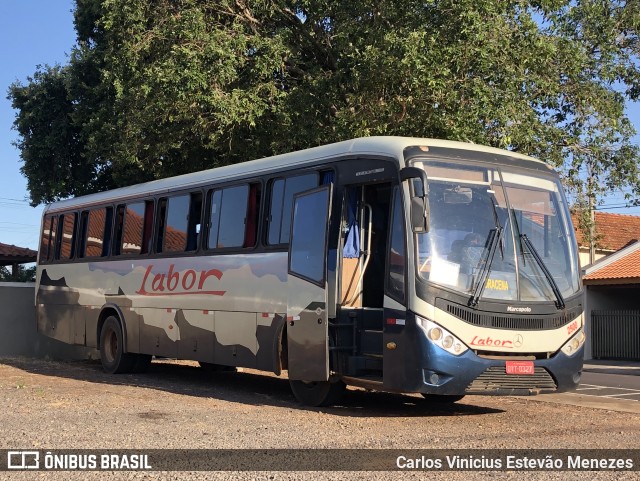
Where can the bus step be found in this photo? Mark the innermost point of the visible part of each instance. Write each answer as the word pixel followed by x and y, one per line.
pixel 371 342
pixel 359 365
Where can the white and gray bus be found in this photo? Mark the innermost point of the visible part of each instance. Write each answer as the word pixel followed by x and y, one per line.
pixel 398 264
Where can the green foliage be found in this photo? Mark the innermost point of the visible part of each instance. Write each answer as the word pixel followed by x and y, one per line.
pixel 161 88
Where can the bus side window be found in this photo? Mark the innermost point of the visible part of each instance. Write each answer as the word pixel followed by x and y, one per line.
pixel 53 240
pixel 108 228
pixel 194 221
pixel 175 232
pixel 227 217
pixel 253 210
pixel 282 192
pixel 68 222
pixel 117 242
pixel 95 233
pixel 82 239
pixel 397 258
pixel 148 227
pixel 133 229
pixel 45 239
pixel 161 220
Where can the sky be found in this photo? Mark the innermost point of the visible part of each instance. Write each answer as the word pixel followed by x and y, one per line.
pixel 40 32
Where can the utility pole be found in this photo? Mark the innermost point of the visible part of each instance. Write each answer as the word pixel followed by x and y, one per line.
pixel 592 215
pixel 592 229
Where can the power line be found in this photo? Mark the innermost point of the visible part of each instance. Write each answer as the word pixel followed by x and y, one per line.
pixel 14 200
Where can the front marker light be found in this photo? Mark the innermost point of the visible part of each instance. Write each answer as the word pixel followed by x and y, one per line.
pixel 435 333
pixel 442 338
pixel 573 344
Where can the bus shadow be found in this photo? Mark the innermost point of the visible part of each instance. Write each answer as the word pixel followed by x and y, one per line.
pixel 249 387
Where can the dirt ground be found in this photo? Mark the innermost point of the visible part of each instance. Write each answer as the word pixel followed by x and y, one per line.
pixel 177 405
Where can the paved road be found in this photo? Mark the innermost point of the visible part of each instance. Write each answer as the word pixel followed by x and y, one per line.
pixel 614 388
pixel 607 385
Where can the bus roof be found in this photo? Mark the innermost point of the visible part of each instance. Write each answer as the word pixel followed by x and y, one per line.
pixel 379 146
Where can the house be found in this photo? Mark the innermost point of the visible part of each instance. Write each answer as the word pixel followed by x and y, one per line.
pixel 612 288
pixel 613 232
pixel 11 255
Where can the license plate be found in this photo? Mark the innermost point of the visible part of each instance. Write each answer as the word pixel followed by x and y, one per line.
pixel 520 367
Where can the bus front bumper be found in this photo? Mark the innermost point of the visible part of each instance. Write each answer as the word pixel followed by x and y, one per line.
pixel 469 373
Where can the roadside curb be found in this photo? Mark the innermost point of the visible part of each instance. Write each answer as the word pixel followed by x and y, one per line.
pixel 625 369
pixel 586 401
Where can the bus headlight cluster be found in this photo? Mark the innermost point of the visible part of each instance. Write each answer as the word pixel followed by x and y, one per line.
pixel 572 346
pixel 442 338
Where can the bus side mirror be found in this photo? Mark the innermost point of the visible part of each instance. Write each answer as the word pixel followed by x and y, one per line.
pixel 419 198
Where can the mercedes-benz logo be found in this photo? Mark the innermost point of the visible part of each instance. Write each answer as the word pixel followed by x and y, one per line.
pixel 518 340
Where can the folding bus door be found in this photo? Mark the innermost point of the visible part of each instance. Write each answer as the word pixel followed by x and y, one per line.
pixel 307 319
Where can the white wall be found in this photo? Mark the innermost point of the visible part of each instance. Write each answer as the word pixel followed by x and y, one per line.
pixel 18 333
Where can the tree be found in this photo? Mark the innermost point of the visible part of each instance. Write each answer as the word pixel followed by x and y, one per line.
pixel 23 274
pixel 160 89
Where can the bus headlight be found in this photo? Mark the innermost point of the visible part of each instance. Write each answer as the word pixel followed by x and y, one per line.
pixel 573 344
pixel 441 337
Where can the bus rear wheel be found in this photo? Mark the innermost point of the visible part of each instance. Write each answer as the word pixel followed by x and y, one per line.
pixel 114 359
pixel 442 398
pixel 318 393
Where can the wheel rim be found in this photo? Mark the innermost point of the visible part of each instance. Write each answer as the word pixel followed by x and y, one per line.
pixel 111 346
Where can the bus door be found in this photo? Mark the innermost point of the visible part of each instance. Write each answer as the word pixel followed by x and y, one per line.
pixel 307 307
pixel 356 334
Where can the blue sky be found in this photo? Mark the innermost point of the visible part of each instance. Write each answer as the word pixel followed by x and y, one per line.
pixel 32 32
pixel 39 32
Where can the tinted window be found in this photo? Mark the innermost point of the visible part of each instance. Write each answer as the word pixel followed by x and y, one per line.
pixel 94 240
pixel 282 192
pixel 309 235
pixel 228 217
pixel 133 228
pixel 45 239
pixel 68 222
pixel 397 252
pixel 118 230
pixel 194 220
pixel 177 221
pixel 275 219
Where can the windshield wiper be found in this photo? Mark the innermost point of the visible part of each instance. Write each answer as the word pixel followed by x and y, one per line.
pixel 494 241
pixel 547 274
pixel 497 222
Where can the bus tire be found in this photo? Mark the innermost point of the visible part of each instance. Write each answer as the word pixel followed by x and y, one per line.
pixel 318 393
pixel 114 359
pixel 442 398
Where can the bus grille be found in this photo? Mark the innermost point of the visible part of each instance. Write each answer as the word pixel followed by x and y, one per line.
pixel 519 322
pixel 497 380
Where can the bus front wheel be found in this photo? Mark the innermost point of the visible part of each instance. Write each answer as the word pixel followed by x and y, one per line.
pixel 114 359
pixel 318 393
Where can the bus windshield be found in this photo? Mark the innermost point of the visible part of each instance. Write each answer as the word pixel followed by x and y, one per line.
pixel 497 233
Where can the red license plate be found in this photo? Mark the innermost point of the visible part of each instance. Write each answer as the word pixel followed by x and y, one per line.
pixel 519 367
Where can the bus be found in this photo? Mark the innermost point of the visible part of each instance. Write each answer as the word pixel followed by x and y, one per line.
pixel 395 264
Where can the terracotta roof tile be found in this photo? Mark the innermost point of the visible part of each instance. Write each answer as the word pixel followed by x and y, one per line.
pixel 624 268
pixel 614 231
pixel 16 254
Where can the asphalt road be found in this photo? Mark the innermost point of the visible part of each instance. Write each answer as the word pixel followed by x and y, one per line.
pixel 616 386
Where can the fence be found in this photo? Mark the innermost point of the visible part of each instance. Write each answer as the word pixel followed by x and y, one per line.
pixel 616 334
